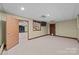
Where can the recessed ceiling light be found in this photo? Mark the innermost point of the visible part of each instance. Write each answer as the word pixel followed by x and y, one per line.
pixel 47 15
pixel 22 8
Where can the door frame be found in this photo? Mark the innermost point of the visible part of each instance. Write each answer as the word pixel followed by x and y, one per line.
pixel 54 29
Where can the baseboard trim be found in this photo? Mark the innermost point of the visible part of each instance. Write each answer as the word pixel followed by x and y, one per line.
pixel 55 35
pixel 38 36
pixel 1 49
pixel 67 37
pixel 77 40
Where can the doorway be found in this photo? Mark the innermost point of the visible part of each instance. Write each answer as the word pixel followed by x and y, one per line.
pixel 52 29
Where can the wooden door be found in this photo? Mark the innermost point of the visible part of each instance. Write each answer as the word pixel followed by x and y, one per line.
pixel 52 29
pixel 12 31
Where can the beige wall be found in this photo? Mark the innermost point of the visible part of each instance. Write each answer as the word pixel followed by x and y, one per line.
pixel 48 28
pixel 32 34
pixel 67 28
pixel 78 27
pixel 0 34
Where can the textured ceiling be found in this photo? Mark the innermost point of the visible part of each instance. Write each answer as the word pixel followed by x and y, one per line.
pixel 57 11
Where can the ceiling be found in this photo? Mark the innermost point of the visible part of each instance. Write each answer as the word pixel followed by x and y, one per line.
pixel 56 11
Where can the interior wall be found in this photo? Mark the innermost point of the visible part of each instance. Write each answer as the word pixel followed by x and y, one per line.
pixel 0 34
pixel 3 23
pixel 23 35
pixel 78 27
pixel 2 27
pixel 67 28
pixel 32 34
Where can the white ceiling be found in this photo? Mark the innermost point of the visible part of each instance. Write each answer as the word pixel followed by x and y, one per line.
pixel 57 11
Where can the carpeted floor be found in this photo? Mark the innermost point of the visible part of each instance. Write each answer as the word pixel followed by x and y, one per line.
pixel 47 45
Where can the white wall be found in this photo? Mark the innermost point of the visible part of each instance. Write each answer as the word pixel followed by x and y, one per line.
pixel 67 28
pixel 32 34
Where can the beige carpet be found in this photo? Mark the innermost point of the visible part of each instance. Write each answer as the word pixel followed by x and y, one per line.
pixel 45 45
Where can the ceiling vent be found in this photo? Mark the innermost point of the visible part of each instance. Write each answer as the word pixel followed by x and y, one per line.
pixel 45 16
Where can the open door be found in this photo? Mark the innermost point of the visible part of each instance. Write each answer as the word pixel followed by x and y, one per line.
pixel 12 31
pixel 52 29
